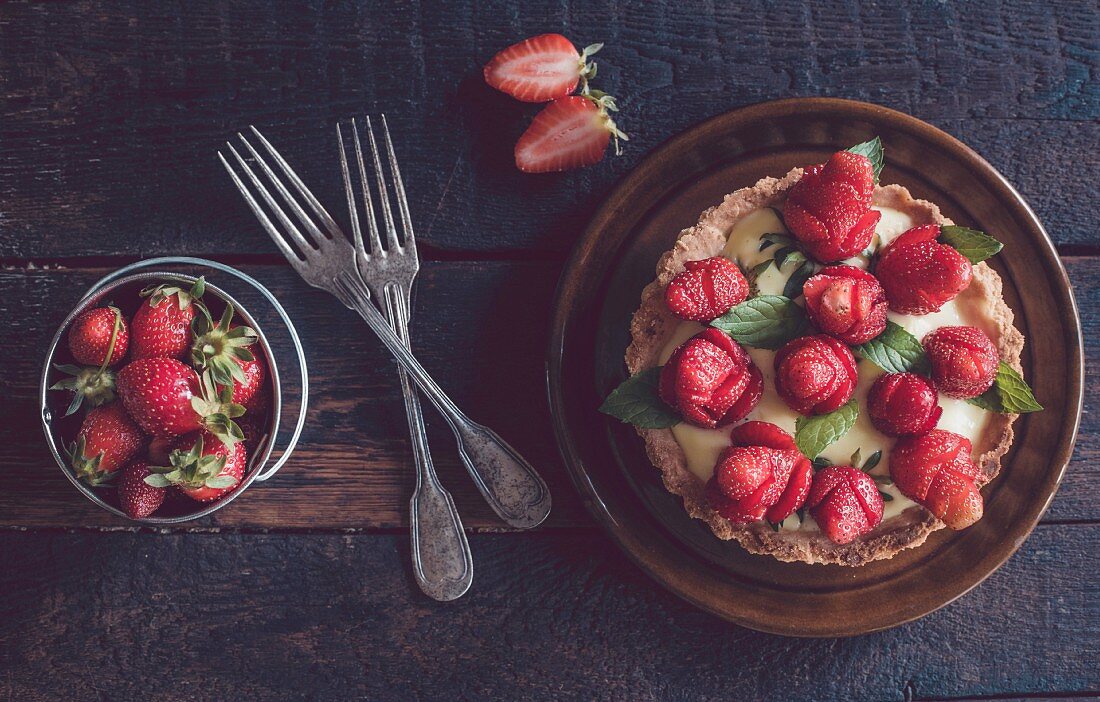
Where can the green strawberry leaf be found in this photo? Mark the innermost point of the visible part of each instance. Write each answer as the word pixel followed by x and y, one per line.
pixel 636 402
pixel 815 434
pixel 874 152
pixel 895 350
pixel 1010 394
pixel 157 480
pixel 765 322
pixel 975 245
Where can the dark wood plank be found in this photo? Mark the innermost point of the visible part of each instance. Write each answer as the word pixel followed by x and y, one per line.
pixel 481 327
pixel 110 120
pixel 558 615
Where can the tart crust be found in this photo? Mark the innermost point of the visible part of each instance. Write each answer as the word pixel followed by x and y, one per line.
pixel 653 324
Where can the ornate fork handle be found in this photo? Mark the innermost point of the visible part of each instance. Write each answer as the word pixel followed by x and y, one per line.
pixel 442 562
pixel 507 481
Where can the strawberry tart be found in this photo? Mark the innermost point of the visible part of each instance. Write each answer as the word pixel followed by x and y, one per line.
pixel 824 369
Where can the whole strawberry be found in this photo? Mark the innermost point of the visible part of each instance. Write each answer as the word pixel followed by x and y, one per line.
pixel 829 208
pixel 167 399
pixel 99 337
pixel 222 348
pixel 201 467
pixel 541 68
pixel 845 503
pixel 920 274
pixel 964 361
pixel 137 498
pixel 936 471
pixel 570 132
pixel 847 303
pixel 903 403
pixel 106 440
pixel 161 327
pixel 706 289
pixel 711 380
pixel 815 374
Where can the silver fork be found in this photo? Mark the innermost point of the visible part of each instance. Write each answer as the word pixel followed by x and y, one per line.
pixel 509 486
pixel 327 260
pixel 441 556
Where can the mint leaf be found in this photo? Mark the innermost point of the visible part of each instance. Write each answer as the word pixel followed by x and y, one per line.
pixel 874 152
pixel 1010 394
pixel 765 322
pixel 636 402
pixel 815 434
pixel 895 351
pixel 793 286
pixel 975 245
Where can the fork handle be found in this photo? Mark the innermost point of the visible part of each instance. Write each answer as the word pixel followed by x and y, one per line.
pixel 442 563
pixel 505 479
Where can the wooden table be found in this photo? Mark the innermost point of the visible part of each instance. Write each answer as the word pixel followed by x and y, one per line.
pixel 109 120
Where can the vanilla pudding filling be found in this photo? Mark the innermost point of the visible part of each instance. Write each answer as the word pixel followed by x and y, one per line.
pixel 702 447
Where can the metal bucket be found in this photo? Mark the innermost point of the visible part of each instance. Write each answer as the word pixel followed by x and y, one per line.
pixel 155 270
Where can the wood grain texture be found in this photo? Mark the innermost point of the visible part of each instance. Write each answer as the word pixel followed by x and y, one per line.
pixel 149 91
pixel 481 327
pixel 550 616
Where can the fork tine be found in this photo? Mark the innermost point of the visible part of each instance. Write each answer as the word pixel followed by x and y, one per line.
pixel 383 194
pixel 304 246
pixel 372 221
pixel 291 201
pixel 399 189
pixel 268 225
pixel 353 213
pixel 312 201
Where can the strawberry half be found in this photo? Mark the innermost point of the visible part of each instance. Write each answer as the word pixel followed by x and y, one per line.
pixel 570 132
pixel 106 440
pixel 541 68
pixel 201 467
pixel 137 498
pixel 161 327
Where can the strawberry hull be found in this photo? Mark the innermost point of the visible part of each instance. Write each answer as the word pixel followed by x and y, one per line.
pixel 122 289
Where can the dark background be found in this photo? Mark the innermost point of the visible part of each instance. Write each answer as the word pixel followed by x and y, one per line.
pixel 109 120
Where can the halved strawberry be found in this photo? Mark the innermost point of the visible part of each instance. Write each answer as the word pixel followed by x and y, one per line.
pixel 570 132
pixel 541 68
